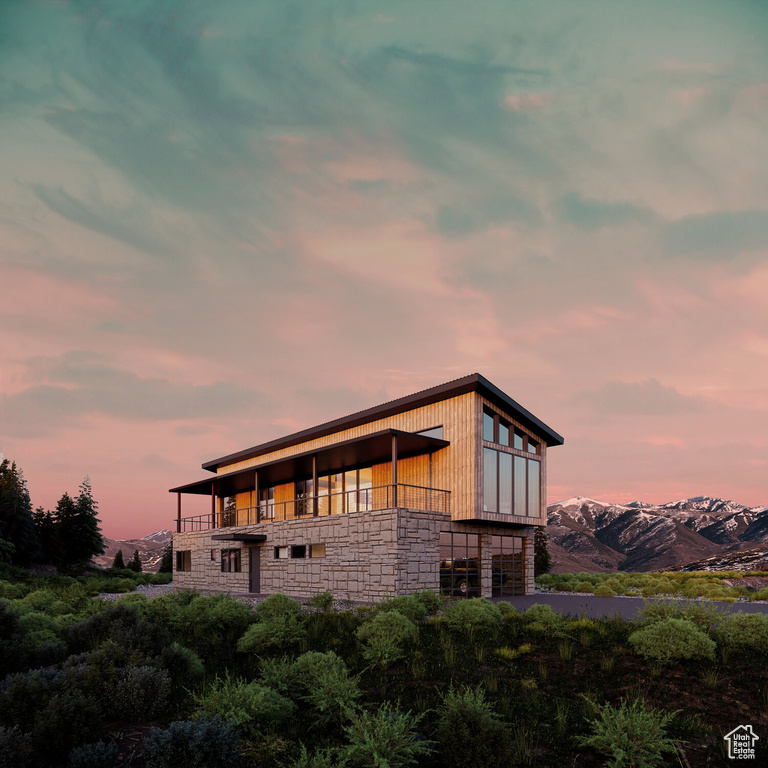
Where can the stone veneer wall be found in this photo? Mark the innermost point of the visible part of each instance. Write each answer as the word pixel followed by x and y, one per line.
pixel 368 555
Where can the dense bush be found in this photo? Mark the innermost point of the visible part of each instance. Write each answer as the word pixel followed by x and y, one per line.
pixel 632 735
pixel 385 737
pixel 278 632
pixel 70 719
pixel 672 639
pixel 384 636
pixel 541 618
pixel 470 733
pixel 204 743
pixel 472 614
pixel 327 687
pixel 24 694
pixel 15 748
pixel 407 605
pixel 745 631
pixel 96 755
pixel 256 708
pixel 141 693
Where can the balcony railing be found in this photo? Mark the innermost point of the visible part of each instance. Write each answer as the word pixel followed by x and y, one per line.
pixel 358 500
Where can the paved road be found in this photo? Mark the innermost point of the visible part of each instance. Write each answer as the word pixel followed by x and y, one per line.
pixel 626 607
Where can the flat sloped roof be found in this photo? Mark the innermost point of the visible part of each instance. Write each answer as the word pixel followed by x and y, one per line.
pixel 472 383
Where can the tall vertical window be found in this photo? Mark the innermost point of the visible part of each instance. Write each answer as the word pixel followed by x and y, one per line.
pixel 228 511
pixel 304 491
pixel 267 503
pixel 459 564
pixel 364 485
pixel 490 480
pixel 534 505
pixel 488 427
pixel 520 485
pixel 184 560
pixel 505 483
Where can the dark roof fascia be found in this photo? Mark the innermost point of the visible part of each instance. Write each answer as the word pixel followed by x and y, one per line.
pixel 472 383
pixel 257 537
pixel 428 445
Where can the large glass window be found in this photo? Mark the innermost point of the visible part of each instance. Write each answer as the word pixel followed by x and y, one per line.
pixel 511 484
pixel 459 564
pixel 490 480
pixel 364 485
pixel 507 566
pixel 267 503
pixel 520 485
pixel 184 560
pixel 304 490
pixel 534 506
pixel 505 482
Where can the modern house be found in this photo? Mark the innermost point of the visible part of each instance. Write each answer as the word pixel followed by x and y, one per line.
pixel 440 490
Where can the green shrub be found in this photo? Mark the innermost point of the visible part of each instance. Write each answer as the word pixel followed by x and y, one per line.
pixel 432 601
pixel 141 693
pixel 327 686
pixel 584 586
pixel 383 637
pixel 604 590
pixel 507 609
pixel 254 707
pixel 68 720
pixel 472 614
pixel 15 748
pixel 320 758
pixel 469 731
pixel 407 605
pixel 96 755
pixel 184 666
pixel 632 735
pixel 24 694
pixel 9 591
pixel 278 605
pixel 385 738
pixel 672 639
pixel 204 743
pixel 745 631
pixel 702 615
pixel 541 618
pixel 322 601
pixel 273 633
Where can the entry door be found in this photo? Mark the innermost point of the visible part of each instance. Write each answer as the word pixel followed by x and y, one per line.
pixel 254 570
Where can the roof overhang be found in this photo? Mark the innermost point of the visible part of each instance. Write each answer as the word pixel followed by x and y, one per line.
pixel 472 383
pixel 256 538
pixel 350 454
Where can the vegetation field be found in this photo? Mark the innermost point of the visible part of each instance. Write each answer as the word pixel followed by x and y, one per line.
pixel 710 585
pixel 185 679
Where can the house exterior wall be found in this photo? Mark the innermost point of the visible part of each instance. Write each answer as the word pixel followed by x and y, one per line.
pixel 368 555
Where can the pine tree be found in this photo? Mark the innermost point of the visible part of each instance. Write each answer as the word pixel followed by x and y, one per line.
pixel 78 527
pixel 16 525
pixel 48 535
pixel 134 564
pixel 541 559
pixel 166 564
pixel 118 562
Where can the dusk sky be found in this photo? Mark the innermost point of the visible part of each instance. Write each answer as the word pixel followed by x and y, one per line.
pixel 222 222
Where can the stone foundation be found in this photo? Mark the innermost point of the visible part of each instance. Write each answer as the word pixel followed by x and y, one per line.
pixel 368 555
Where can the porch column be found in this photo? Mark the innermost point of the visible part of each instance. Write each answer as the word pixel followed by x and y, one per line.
pixel 256 497
pixel 213 505
pixel 394 471
pixel 178 512
pixel 314 485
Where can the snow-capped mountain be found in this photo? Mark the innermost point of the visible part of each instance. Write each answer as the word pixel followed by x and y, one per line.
pixel 588 534
pixel 151 548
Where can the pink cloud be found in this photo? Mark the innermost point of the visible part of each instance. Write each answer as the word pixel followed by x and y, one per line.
pixel 527 102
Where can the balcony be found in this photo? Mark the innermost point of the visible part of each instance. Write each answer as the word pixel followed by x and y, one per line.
pixel 398 495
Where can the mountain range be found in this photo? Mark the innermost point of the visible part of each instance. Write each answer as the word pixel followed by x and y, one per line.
pixel 700 532
pixel 150 547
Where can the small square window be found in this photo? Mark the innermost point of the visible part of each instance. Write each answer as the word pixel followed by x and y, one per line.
pixel 317 550
pixel 298 551
pixel 184 560
pixel 230 561
pixel 281 553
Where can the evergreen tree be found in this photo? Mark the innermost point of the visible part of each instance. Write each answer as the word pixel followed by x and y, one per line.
pixel 48 535
pixel 134 564
pixel 118 562
pixel 166 564
pixel 78 526
pixel 16 525
pixel 541 559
